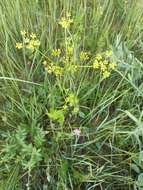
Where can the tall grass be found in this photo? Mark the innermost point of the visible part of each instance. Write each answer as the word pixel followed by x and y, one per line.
pixel 38 150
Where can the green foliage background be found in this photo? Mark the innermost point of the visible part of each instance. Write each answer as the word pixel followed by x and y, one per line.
pixel 37 149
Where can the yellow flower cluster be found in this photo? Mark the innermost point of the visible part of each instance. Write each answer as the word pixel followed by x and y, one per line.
pixel 84 56
pixel 66 59
pixel 30 41
pixel 59 70
pixel 65 22
pixel 33 44
pixel 67 64
pixel 56 52
pixel 71 68
pixel 108 53
pixel 53 69
pixel 103 63
pixel 71 101
pixel 69 50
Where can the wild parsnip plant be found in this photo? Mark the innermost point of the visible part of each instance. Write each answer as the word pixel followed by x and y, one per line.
pixel 71 95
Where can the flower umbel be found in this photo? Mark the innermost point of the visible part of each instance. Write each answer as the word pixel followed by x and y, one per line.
pixel 65 22
pixel 56 52
pixel 76 110
pixel 23 33
pixel 112 65
pixel 96 64
pixel 30 41
pixel 84 56
pixel 106 74
pixel 104 63
pixel 109 53
pixel 51 68
pixel 71 99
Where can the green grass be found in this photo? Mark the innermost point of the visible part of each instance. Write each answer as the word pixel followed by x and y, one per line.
pixel 38 147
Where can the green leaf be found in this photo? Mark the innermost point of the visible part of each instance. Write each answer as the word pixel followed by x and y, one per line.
pixel 63 169
pixel 140 180
pixel 82 115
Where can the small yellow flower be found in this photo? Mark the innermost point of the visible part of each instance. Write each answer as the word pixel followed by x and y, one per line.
pixel 71 99
pixel 44 63
pixel 69 50
pixel 36 43
pixel 65 107
pixel 106 74
pixel 58 70
pixel 71 68
pixel 109 53
pixel 33 44
pixel 98 57
pixel 68 14
pixel 75 110
pixel 96 64
pixel 56 52
pixel 19 45
pixel 102 66
pixel 84 56
pixel 105 62
pixel 65 22
pixel 23 33
pixel 51 68
pixel 26 40
pixel 32 35
pixel 66 59
pixel 30 46
pixel 112 65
